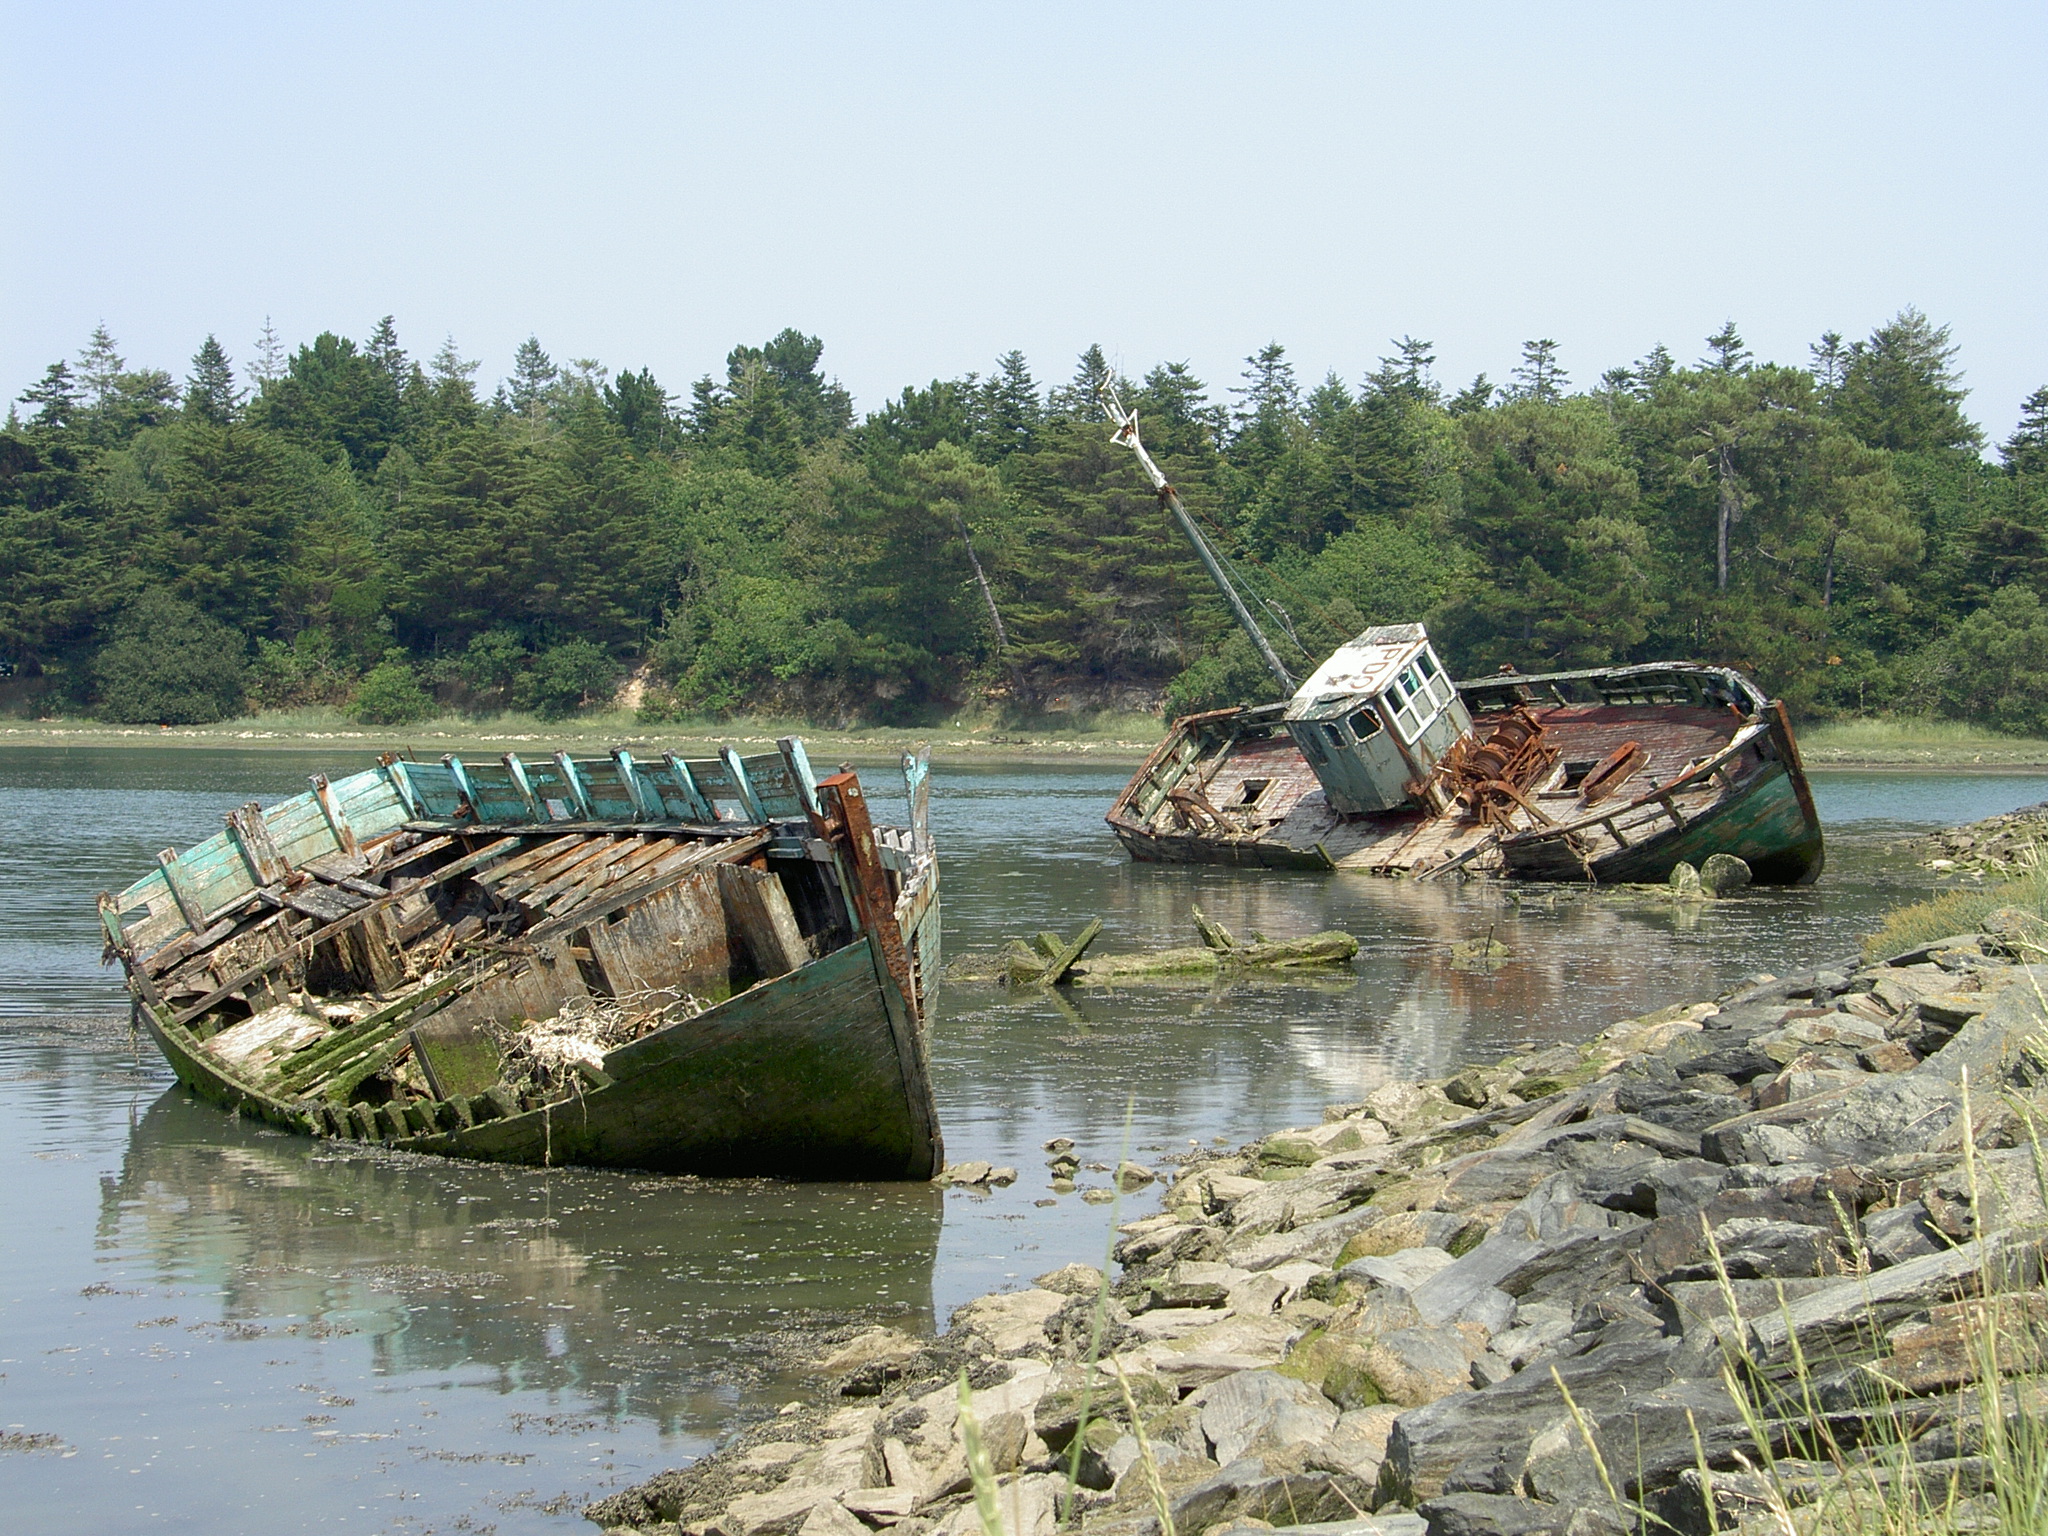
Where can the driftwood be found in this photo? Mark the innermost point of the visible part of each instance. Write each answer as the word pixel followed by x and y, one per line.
pixel 1048 961
pixel 1318 949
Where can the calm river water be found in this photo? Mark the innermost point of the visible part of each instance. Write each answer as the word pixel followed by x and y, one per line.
pixel 218 1327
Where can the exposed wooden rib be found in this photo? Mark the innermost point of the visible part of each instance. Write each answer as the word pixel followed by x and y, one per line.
pixel 252 837
pixel 264 967
pixel 194 915
pixel 337 823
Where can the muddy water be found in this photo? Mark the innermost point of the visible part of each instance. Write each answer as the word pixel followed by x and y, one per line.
pixel 219 1327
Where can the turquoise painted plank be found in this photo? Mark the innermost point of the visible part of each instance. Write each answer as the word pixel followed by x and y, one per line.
pixel 603 789
pixel 775 787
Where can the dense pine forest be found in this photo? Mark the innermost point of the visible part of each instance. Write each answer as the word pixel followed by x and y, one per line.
pixel 346 525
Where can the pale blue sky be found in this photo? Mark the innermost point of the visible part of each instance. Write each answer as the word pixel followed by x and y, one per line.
pixel 926 186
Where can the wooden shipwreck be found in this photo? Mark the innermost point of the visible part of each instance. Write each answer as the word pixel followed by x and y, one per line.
pixel 710 965
pixel 1380 762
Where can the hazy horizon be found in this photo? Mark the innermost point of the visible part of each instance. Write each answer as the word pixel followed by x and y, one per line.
pixel 926 188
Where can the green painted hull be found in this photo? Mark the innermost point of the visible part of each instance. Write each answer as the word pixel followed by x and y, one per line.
pixel 816 1074
pixel 1769 825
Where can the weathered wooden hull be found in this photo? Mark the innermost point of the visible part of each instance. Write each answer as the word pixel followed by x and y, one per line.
pixel 1766 826
pixel 817 1073
pixel 1228 788
pixel 407 957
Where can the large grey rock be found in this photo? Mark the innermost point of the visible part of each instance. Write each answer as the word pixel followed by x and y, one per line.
pixel 1859 1307
pixel 1449 1294
pixel 1071 1280
pixel 1559 1208
pixel 1418 1365
pixel 1736 1059
pixel 830 1518
pixel 1991 1045
pixel 1494 1514
pixel 1026 1505
pixel 1701 1306
pixel 1880 1117
pixel 1319 1241
pixel 1402 1271
pixel 1756 1248
pixel 1398 1231
pixel 1757 1141
pixel 1499 1423
pixel 1723 874
pixel 1901 1233
pixel 1678 1108
pixel 1663 1186
pixel 1012 1322
pixel 1256 1407
pixel 1538 1326
pixel 1395 1522
pixel 1247 1489
pixel 1358 1442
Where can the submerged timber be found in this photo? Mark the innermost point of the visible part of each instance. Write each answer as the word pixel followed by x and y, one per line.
pixel 1379 762
pixel 708 966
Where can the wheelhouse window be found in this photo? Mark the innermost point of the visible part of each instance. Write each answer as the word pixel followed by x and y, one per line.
pixel 1365 723
pixel 1418 694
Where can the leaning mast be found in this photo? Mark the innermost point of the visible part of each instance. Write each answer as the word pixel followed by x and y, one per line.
pixel 1127 434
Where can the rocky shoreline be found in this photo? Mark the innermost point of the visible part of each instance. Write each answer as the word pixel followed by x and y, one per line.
pixel 1415 1316
pixel 1997 845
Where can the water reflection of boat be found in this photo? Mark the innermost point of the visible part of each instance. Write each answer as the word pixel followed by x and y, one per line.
pixel 711 965
pixel 630 1292
pixel 1380 762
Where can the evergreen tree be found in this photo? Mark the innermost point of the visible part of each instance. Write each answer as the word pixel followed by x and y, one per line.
pixel 231 519
pixel 1473 398
pixel 2026 451
pixel 269 362
pixel 1900 389
pixel 639 408
pixel 385 355
pixel 1010 409
pixel 335 401
pixel 1653 369
pixel 100 366
pixel 1405 376
pixel 1083 395
pixel 1726 353
pixel 1830 365
pixel 1266 414
pixel 55 399
pixel 1540 377
pixel 533 376
pixel 449 402
pixel 822 408
pixel 210 391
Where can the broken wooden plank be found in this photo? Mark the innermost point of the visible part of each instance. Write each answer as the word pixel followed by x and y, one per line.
pixel 1213 933
pixel 1059 965
pixel 251 835
pixel 325 903
pixel 758 908
pixel 264 967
